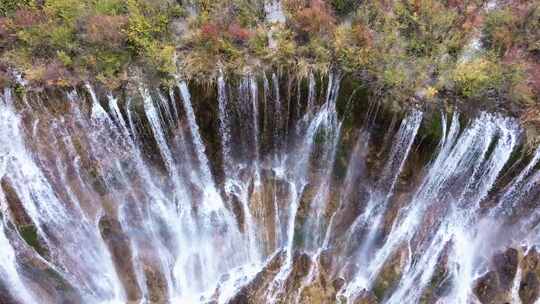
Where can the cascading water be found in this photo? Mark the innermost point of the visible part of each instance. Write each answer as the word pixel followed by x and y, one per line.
pixel 124 205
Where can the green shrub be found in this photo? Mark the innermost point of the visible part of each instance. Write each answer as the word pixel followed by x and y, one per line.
pixel 66 10
pixel 345 7
pixel 499 29
pixel 109 7
pixel 474 78
pixel 8 7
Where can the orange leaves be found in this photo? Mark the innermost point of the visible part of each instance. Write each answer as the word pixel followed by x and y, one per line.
pixel 234 31
pixel 239 33
pixel 315 18
pixel 363 35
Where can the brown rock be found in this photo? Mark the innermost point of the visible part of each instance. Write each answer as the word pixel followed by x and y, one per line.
pixel 119 246
pixel 506 265
pixel 365 297
pixel 487 288
pixel 529 289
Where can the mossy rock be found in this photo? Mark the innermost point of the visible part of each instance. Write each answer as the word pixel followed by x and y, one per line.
pixel 29 234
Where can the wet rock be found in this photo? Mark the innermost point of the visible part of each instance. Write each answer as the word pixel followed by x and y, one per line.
pixel 156 283
pixel 495 286
pixel 365 297
pixel 254 292
pixel 44 281
pixel 319 286
pixel 301 266
pixel 16 208
pixel 440 283
pixel 506 265
pixel 529 289
pixel 487 288
pixel 236 206
pixel 5 296
pixel 267 203
pixel 390 274
pixel 119 246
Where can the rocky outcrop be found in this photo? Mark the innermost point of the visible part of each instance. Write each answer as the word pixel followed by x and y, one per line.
pixel 495 286
pixel 322 286
pixel 254 292
pixel 390 274
pixel 529 289
pixel 365 297
pixel 119 246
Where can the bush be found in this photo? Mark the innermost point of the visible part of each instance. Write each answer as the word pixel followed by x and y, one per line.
pixel 110 7
pixel 8 7
pixel 499 29
pixel 65 10
pixel 316 18
pixel 238 33
pixel 106 30
pixel 345 7
pixel 476 77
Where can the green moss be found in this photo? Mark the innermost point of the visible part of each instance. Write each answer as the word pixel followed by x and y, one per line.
pixel 8 7
pixel 110 7
pixel 30 236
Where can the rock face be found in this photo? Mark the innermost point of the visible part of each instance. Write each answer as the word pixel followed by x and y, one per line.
pixel 119 247
pixel 529 289
pixel 255 290
pixel 365 297
pixel 495 286
pixel 322 286
pixel 488 289
pixel 267 202
pixel 506 265
pixel 390 274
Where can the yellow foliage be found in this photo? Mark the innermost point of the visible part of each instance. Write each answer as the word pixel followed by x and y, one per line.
pixel 472 78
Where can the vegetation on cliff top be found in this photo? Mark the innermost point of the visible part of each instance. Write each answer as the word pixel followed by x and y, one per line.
pixel 406 49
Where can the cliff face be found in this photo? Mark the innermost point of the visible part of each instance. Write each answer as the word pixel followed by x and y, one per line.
pixel 265 188
pixel 246 151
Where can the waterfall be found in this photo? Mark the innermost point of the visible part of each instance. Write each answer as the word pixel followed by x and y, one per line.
pixel 224 127
pixel 311 93
pixel 255 124
pixel 96 277
pixel 194 129
pixel 377 204
pixel 123 206
pixel 11 280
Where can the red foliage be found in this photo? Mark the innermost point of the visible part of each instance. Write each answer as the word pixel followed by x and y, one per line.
pixel 315 18
pixel 209 31
pixel 27 18
pixel 239 33
pixel 106 29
